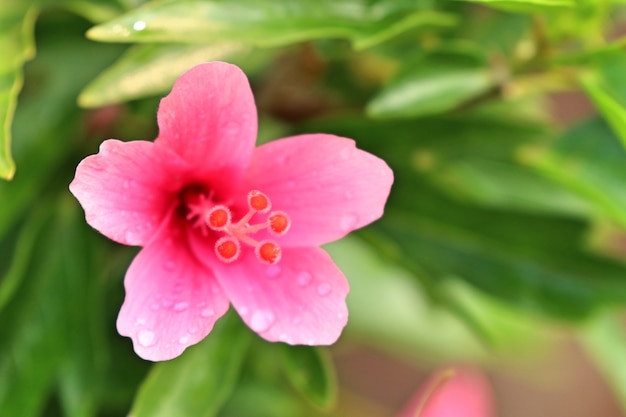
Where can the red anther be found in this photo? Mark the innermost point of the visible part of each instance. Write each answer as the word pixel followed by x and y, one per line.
pixel 218 218
pixel 258 201
pixel 268 252
pixel 227 249
pixel 279 223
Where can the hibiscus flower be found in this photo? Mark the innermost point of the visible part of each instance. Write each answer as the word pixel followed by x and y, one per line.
pixel 221 222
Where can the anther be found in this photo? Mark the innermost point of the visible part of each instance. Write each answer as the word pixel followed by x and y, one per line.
pixel 218 218
pixel 227 249
pixel 279 223
pixel 259 202
pixel 268 252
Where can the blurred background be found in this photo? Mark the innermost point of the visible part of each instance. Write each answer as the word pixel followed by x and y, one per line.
pixel 502 244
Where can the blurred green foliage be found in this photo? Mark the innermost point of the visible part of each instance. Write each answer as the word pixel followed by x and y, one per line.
pixel 503 218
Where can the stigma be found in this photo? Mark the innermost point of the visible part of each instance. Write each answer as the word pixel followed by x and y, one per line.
pixel 209 217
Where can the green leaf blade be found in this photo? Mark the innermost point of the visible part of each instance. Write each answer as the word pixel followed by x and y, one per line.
pixel 17 46
pixel 199 381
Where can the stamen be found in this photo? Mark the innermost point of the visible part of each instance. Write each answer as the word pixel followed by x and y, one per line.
pixel 279 223
pixel 227 249
pixel 258 201
pixel 268 252
pixel 218 218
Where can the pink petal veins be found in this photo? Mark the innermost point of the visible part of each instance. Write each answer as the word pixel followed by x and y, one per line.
pixel 300 300
pixel 125 189
pixel 326 185
pixel 209 118
pixel 171 301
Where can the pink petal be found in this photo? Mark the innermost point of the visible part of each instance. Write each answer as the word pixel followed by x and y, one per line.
pixel 300 300
pixel 452 393
pixel 126 188
pixel 209 118
pixel 324 183
pixel 171 300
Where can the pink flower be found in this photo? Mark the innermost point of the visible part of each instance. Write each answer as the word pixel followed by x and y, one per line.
pixel 220 220
pixel 453 393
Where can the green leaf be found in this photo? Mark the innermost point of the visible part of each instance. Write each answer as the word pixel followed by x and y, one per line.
pixel 310 371
pixel 604 340
pixel 431 84
pixel 607 89
pixel 530 6
pixel 16 46
pixel 533 261
pixel 151 69
pixel 269 22
pixel 589 161
pixel 463 323
pixel 199 381
pixel 32 342
pixel 55 76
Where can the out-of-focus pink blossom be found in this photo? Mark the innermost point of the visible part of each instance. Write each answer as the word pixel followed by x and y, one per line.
pixel 453 392
pixel 221 221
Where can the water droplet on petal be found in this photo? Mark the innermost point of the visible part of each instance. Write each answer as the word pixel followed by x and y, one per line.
pixel 146 338
pixel 323 289
pixel 261 320
pixel 130 237
pixel 193 329
pixel 348 222
pixel 183 340
pixel 283 337
pixel 181 306
pixel 207 312
pixel 231 128
pixel 273 271
pixel 304 278
pixel 140 321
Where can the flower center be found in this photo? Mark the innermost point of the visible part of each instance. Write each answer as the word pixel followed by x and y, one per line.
pixel 198 207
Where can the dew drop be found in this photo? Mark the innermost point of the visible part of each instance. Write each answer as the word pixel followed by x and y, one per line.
pixel 193 329
pixel 140 321
pixel 130 237
pixel 181 306
pixel 323 289
pixel 183 340
pixel 283 337
pixel 348 222
pixel 231 128
pixel 169 265
pixel 340 316
pixel 146 338
pixel 261 320
pixel 207 312
pixel 273 271
pixel 304 278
